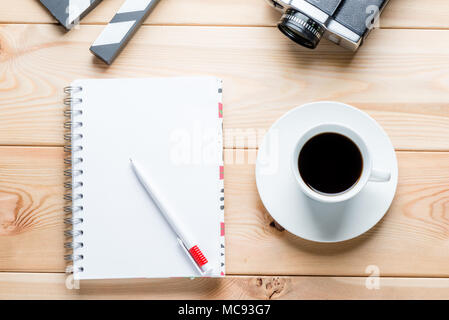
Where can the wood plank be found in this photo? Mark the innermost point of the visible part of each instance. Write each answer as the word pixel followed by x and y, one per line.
pixel 31 200
pixel 399 14
pixel 167 12
pixel 396 77
pixel 412 240
pixel 53 286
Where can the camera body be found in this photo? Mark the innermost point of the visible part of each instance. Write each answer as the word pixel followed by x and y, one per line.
pixel 344 22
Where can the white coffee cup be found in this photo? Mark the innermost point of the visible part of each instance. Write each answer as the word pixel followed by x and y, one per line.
pixel 368 173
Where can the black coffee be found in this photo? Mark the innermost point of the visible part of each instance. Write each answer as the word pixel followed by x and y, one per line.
pixel 330 163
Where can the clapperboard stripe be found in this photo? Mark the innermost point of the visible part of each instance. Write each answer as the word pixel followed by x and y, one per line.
pixel 121 28
pixel 69 12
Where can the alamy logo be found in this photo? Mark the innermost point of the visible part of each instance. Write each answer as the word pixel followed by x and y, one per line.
pixel 70 282
pixel 196 145
pixel 372 20
pixel 74 10
pixel 373 280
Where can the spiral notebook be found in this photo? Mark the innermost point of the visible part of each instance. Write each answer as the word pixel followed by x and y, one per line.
pixel 174 127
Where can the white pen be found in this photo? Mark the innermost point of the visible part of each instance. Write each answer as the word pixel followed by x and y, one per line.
pixel 189 246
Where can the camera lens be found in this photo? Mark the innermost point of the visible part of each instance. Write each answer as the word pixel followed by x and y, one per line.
pixel 301 29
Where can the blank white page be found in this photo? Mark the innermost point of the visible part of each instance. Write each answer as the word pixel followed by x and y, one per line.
pixel 173 127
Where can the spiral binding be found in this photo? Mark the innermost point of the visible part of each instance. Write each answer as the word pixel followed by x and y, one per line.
pixel 71 174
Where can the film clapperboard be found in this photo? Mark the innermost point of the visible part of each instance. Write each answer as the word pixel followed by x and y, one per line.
pixel 116 34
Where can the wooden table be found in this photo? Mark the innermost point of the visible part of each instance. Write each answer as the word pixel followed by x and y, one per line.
pixel 400 77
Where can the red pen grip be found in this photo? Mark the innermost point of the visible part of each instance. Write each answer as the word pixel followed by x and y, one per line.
pixel 198 256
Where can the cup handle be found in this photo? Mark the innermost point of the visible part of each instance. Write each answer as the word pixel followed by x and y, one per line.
pixel 380 176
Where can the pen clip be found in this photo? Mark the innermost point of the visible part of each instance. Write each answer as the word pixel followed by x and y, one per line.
pixel 201 272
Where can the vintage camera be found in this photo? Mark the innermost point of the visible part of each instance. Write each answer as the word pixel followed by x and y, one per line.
pixel 344 22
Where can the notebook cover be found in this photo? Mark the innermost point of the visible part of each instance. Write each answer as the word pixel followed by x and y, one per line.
pixel 174 127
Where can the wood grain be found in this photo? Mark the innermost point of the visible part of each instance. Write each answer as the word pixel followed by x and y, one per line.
pixel 31 213
pixel 400 77
pixel 399 13
pixel 397 77
pixel 53 286
pixel 412 240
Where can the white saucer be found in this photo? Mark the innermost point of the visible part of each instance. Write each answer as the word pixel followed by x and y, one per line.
pixel 291 208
